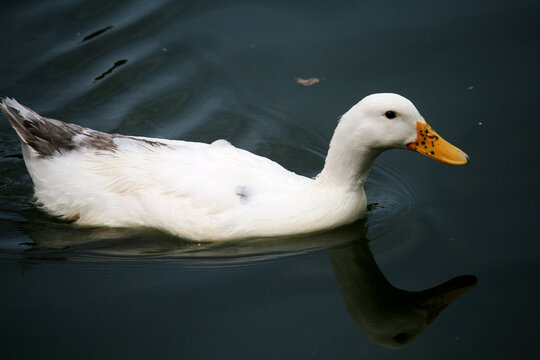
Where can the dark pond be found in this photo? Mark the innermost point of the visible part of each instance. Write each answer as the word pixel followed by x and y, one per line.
pixel 206 70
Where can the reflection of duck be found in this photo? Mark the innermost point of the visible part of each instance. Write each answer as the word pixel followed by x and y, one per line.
pixel 214 191
pixel 387 315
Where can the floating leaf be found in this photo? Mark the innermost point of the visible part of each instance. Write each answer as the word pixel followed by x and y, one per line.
pixel 307 82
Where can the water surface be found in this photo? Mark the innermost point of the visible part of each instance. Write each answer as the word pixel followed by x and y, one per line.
pixel 206 70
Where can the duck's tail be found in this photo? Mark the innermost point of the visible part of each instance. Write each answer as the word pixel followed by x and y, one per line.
pixel 39 133
pixel 48 137
pixel 21 118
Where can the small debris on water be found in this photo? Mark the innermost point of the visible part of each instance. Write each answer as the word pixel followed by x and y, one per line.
pixel 308 82
pixel 480 123
pixel 471 87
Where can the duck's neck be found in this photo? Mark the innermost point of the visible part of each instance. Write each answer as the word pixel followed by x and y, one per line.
pixel 347 168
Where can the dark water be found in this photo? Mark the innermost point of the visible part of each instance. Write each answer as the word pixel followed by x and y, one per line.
pixel 207 70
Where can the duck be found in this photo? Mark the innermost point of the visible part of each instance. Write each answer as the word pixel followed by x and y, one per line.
pixel 214 191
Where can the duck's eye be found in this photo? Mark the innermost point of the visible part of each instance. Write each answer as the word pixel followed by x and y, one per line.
pixel 390 114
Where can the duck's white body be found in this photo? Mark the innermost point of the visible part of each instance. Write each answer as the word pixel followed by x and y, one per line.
pixel 201 191
pixel 194 190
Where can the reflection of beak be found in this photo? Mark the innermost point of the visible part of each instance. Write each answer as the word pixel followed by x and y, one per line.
pixel 438 298
pixel 429 143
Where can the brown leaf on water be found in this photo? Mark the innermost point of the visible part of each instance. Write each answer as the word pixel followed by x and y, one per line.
pixel 307 82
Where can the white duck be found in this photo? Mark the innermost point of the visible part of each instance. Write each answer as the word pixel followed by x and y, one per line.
pixel 214 191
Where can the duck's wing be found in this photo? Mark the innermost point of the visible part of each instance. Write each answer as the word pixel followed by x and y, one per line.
pixel 217 172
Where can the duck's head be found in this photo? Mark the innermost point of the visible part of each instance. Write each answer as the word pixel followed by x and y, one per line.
pixel 386 121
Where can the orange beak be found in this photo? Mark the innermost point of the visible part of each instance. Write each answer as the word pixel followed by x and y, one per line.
pixel 429 143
